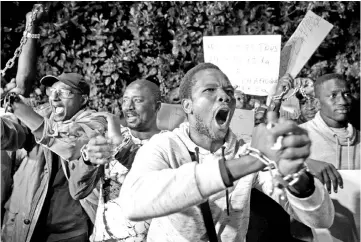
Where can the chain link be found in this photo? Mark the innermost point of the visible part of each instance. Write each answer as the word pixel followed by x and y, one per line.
pixel 23 40
pixel 295 90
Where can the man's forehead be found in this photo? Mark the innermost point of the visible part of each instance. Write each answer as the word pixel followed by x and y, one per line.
pixel 211 77
pixel 136 90
pixel 60 84
pixel 335 85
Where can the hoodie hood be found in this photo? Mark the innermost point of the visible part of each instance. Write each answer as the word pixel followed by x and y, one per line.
pixel 230 144
pixel 332 136
pixel 336 146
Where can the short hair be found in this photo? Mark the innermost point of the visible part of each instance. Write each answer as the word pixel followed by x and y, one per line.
pixel 325 78
pixel 185 88
pixel 152 87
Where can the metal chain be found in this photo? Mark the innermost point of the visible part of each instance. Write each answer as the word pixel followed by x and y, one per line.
pixel 23 40
pixel 295 90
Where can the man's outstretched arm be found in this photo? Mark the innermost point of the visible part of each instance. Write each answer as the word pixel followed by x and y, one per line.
pixel 26 71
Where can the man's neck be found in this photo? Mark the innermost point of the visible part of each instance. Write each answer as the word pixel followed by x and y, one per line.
pixel 333 123
pixel 145 134
pixel 204 141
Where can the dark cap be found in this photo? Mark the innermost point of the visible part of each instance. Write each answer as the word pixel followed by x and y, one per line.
pixel 73 80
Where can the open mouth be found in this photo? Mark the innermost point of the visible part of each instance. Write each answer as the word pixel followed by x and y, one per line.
pixel 58 110
pixel 222 116
pixel 131 116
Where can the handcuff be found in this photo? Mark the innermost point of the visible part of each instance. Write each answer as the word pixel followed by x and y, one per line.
pixel 10 99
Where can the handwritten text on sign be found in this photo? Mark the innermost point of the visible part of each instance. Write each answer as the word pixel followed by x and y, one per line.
pixel 303 43
pixel 251 62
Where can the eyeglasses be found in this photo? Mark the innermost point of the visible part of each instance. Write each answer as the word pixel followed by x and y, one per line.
pixel 61 93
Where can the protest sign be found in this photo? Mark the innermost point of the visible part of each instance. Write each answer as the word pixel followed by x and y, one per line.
pixel 251 62
pixel 298 50
pixel 170 116
pixel 305 40
pixel 242 124
pixel 346 225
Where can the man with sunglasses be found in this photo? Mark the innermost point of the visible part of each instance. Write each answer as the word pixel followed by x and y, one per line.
pixel 40 207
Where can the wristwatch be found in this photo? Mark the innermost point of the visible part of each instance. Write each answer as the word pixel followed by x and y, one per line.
pixel 85 155
pixel 31 36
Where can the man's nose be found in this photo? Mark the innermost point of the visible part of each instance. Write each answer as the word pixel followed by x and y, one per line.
pixel 54 95
pixel 223 97
pixel 128 105
pixel 341 100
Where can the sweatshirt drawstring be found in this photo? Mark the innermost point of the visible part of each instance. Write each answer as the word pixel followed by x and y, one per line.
pixel 348 153
pixel 338 160
pixel 227 193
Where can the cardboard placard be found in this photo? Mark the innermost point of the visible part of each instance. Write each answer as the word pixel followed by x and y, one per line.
pixel 346 225
pixel 305 40
pixel 242 124
pixel 251 62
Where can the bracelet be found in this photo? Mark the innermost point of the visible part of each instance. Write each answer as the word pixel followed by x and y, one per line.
pixel 31 36
pixel 84 154
pixel 124 143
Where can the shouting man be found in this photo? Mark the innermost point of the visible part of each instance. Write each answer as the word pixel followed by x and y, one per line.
pixel 209 199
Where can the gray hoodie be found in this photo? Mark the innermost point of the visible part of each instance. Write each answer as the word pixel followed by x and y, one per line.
pixel 166 185
pixel 329 146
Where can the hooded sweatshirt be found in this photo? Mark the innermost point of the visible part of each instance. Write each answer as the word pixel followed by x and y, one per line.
pixel 166 185
pixel 340 147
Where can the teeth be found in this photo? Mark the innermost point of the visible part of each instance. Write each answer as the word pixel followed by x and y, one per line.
pixel 59 110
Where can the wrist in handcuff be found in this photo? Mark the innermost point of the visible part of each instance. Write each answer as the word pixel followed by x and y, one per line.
pixel 304 190
pixel 292 181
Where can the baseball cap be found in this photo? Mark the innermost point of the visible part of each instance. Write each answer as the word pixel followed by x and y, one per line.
pixel 73 80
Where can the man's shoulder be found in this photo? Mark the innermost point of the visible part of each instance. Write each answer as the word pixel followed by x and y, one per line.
pixel 163 135
pixel 307 125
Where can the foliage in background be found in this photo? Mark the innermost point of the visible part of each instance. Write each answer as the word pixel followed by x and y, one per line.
pixel 114 43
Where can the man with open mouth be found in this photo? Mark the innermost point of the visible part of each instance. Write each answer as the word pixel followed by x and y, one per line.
pixel 115 152
pixel 40 207
pixel 195 181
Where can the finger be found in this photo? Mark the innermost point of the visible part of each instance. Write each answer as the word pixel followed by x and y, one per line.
pixel 333 179
pixel 98 140
pixel 327 181
pixel 294 153
pixel 296 141
pixel 337 175
pixel 100 155
pixel 103 114
pixel 99 148
pixel 286 127
pixel 99 161
pixel 272 117
pixel 320 177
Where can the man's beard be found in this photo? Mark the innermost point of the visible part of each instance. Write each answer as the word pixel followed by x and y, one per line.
pixel 202 128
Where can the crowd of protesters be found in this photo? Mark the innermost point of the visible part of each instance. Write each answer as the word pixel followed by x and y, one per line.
pixel 70 173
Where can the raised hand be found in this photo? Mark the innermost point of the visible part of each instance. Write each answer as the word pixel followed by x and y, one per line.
pixel 284 84
pixel 294 146
pixel 114 122
pixel 40 15
pixel 99 150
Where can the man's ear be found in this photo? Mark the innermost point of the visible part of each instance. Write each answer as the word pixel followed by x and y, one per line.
pixel 85 100
pixel 158 106
pixel 187 106
pixel 317 103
